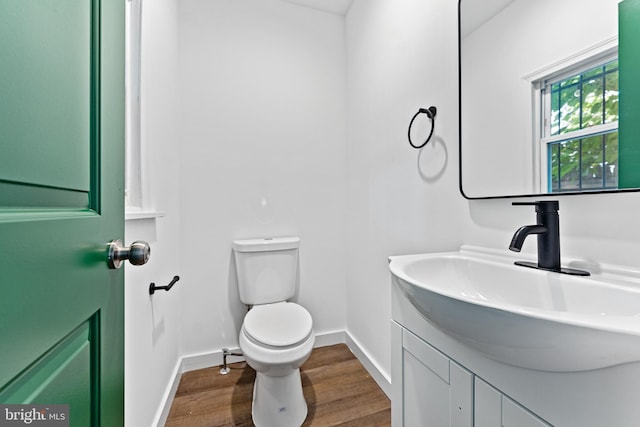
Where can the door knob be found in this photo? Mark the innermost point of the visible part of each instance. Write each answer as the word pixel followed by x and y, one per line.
pixel 137 254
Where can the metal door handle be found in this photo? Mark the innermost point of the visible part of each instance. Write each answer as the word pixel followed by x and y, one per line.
pixel 137 254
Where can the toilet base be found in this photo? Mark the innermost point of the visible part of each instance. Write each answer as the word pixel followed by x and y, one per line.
pixel 278 401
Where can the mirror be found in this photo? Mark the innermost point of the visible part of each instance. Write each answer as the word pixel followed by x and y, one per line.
pixel 543 97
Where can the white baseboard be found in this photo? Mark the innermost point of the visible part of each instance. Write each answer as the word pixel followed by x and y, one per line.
pixel 162 415
pixel 379 376
pixel 329 338
pixel 206 360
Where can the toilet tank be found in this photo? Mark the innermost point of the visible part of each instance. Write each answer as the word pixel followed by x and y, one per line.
pixel 267 269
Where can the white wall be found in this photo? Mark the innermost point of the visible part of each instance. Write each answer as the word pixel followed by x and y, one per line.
pixel 262 86
pixel 402 55
pixel 152 323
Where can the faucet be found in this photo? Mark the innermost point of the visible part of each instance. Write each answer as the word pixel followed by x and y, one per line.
pixel 548 231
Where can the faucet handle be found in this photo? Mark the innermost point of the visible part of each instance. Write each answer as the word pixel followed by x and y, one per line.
pixel 542 206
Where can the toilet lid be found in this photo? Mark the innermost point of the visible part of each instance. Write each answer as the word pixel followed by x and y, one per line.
pixel 280 324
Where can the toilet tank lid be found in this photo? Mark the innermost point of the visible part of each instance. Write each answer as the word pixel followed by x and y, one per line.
pixel 266 244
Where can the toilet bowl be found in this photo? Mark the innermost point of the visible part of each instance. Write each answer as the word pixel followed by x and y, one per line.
pixel 277 336
pixel 276 339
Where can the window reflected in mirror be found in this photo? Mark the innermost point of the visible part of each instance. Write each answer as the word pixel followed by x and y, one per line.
pixel 549 104
pixel 579 119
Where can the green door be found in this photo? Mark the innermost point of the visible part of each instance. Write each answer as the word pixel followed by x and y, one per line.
pixel 61 203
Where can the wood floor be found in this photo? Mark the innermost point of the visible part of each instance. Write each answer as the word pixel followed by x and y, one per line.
pixel 337 388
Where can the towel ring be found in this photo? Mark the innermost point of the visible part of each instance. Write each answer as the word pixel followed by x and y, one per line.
pixel 431 113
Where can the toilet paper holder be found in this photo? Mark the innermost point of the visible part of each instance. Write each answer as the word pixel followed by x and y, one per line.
pixel 153 287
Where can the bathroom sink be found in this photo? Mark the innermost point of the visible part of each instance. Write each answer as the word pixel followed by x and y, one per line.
pixel 526 317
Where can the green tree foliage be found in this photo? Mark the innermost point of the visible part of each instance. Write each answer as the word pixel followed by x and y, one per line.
pixel 580 102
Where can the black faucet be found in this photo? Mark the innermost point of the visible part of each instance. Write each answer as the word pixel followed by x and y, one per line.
pixel 548 231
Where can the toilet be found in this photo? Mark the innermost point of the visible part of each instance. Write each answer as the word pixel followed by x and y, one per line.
pixel 277 336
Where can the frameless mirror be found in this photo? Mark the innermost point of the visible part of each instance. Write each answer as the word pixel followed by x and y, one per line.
pixel 546 92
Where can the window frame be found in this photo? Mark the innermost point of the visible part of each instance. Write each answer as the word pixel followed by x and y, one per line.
pixel 541 107
pixel 134 200
pixel 138 202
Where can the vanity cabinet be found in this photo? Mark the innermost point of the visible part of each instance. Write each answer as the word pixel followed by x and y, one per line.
pixel 431 389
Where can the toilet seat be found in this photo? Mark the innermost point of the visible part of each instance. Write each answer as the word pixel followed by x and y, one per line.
pixel 281 324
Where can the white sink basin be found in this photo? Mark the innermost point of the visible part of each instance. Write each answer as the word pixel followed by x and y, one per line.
pixel 522 316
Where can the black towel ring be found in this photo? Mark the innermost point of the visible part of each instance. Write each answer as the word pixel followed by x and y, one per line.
pixel 431 113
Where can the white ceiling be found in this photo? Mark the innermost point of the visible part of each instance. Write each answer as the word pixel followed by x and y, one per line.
pixel 337 7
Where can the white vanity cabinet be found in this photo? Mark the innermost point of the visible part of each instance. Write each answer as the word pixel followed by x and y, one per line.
pixel 433 390
pixel 430 389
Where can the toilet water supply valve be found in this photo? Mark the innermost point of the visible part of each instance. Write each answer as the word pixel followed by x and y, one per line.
pixel 226 352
